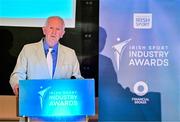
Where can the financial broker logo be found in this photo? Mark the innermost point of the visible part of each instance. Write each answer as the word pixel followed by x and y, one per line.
pixel 141 88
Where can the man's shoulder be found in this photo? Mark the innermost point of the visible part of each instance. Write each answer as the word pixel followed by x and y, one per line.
pixel 66 49
pixel 32 45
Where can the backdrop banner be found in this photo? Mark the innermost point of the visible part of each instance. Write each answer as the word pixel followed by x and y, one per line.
pixel 139 67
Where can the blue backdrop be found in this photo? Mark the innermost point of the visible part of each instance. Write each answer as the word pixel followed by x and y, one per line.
pixel 138 60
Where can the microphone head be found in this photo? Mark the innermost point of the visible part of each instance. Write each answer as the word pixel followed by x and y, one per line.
pixel 73 77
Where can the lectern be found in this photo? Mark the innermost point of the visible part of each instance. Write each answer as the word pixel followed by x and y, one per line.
pixel 64 99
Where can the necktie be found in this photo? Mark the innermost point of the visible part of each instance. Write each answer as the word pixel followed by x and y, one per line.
pixel 50 61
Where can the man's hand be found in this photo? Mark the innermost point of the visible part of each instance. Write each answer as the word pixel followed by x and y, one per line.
pixel 16 89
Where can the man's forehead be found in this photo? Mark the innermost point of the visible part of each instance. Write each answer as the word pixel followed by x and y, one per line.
pixel 55 21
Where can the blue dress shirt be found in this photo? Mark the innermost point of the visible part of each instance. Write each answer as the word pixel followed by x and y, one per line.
pixel 54 54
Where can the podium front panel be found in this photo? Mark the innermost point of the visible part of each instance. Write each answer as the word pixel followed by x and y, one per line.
pixel 51 98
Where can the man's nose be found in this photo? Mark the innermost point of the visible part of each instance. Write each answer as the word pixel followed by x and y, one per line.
pixel 54 31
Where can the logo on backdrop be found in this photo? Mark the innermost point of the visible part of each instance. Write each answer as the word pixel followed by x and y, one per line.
pixel 142 55
pixel 119 49
pixel 151 55
pixel 140 89
pixel 142 20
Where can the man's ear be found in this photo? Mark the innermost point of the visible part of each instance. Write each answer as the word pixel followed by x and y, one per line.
pixel 62 34
pixel 44 30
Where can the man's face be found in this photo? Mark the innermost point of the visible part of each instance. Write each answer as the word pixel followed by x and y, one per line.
pixel 53 31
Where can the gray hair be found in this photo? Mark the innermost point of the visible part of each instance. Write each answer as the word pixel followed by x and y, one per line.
pixel 54 17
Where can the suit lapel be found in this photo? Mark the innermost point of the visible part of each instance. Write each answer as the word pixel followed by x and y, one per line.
pixel 41 57
pixel 59 64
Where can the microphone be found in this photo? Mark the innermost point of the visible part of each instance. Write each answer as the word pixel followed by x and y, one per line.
pixel 73 77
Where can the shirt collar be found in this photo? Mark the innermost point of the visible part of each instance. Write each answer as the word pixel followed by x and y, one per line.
pixel 46 46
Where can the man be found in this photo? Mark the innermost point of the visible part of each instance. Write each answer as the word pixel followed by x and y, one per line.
pixel 32 62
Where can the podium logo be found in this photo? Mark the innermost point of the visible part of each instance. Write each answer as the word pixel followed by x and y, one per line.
pixel 142 20
pixel 42 93
pixel 140 88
